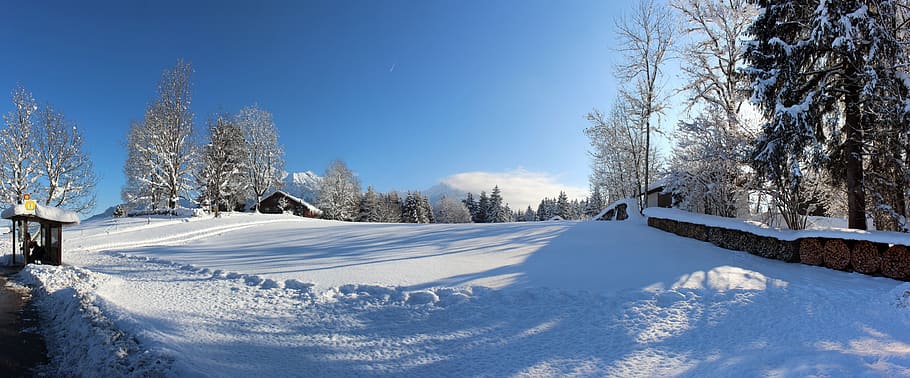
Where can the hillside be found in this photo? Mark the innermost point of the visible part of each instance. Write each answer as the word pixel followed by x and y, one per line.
pixel 284 296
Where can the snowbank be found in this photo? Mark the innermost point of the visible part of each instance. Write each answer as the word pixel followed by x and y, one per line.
pixel 79 335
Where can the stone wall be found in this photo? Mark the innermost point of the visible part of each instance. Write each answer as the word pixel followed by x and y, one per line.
pixel 889 260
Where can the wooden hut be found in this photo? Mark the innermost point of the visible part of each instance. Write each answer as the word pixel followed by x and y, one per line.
pixel 47 246
pixel 281 202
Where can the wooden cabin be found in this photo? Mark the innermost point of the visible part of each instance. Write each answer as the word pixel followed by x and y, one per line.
pixel 46 246
pixel 281 202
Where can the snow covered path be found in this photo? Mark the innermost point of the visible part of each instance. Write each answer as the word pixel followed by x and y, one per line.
pixel 230 297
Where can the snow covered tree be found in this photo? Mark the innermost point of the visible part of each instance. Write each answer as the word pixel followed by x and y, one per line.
pixel 223 172
pixel 472 206
pixel 595 202
pixel 67 176
pixel 339 193
pixel 370 207
pixel 265 161
pixel 426 210
pixel 162 153
pixel 562 206
pixel 819 72
pixel 390 209
pixel 450 210
pixel 483 208
pixel 546 209
pixel 18 172
pixel 617 155
pixel 644 40
pixel 529 215
pixel 708 164
pixel 496 211
pixel 710 155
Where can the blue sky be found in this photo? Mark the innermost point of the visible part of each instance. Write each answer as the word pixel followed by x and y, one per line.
pixel 408 93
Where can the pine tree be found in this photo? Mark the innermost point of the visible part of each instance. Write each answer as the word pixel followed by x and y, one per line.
pixel 426 210
pixel 496 212
pixel 410 209
pixel 390 211
pixel 472 207
pixel 562 206
pixel 370 207
pixel 483 208
pixel 818 73
pixel 530 215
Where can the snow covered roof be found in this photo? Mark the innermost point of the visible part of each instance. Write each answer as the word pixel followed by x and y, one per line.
pixel 659 184
pixel 312 208
pixel 50 213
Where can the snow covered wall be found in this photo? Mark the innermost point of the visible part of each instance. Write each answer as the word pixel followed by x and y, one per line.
pixel 873 253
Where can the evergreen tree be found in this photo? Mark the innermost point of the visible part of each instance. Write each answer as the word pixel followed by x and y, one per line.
pixel 530 215
pixel 370 207
pixel 426 210
pixel 562 206
pixel 483 208
pixel 390 211
pixel 595 202
pixel 819 73
pixel 496 212
pixel 472 207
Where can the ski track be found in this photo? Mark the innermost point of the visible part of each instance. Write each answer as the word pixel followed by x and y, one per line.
pixel 142 315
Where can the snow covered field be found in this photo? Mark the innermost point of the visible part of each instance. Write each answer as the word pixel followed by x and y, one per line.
pixel 284 296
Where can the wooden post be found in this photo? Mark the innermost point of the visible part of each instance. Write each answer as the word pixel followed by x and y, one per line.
pixel 14 241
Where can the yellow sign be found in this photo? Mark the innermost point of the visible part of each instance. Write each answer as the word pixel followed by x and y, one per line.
pixel 30 205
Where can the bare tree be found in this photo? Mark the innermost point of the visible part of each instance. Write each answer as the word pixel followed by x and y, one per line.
pixel 450 210
pixel 66 170
pixel 711 150
pixel 645 38
pixel 17 171
pixel 162 153
pixel 339 194
pixel 265 162
pixel 223 172
pixel 617 153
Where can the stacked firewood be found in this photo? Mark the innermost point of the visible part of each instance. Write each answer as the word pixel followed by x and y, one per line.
pixel 896 263
pixel 811 251
pixel 865 257
pixel 837 254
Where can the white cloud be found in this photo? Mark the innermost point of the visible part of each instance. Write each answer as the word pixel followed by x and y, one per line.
pixel 519 187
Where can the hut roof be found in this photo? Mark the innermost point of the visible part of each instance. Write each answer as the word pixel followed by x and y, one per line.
pixel 50 213
pixel 312 208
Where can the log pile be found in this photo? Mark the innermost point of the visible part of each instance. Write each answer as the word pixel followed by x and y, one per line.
pixel 837 254
pixel 811 251
pixel 861 255
pixel 896 263
pixel 865 257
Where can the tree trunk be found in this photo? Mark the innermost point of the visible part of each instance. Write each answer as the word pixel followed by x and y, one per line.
pixel 853 151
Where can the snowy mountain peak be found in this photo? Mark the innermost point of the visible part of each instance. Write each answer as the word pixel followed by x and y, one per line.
pixel 304 185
